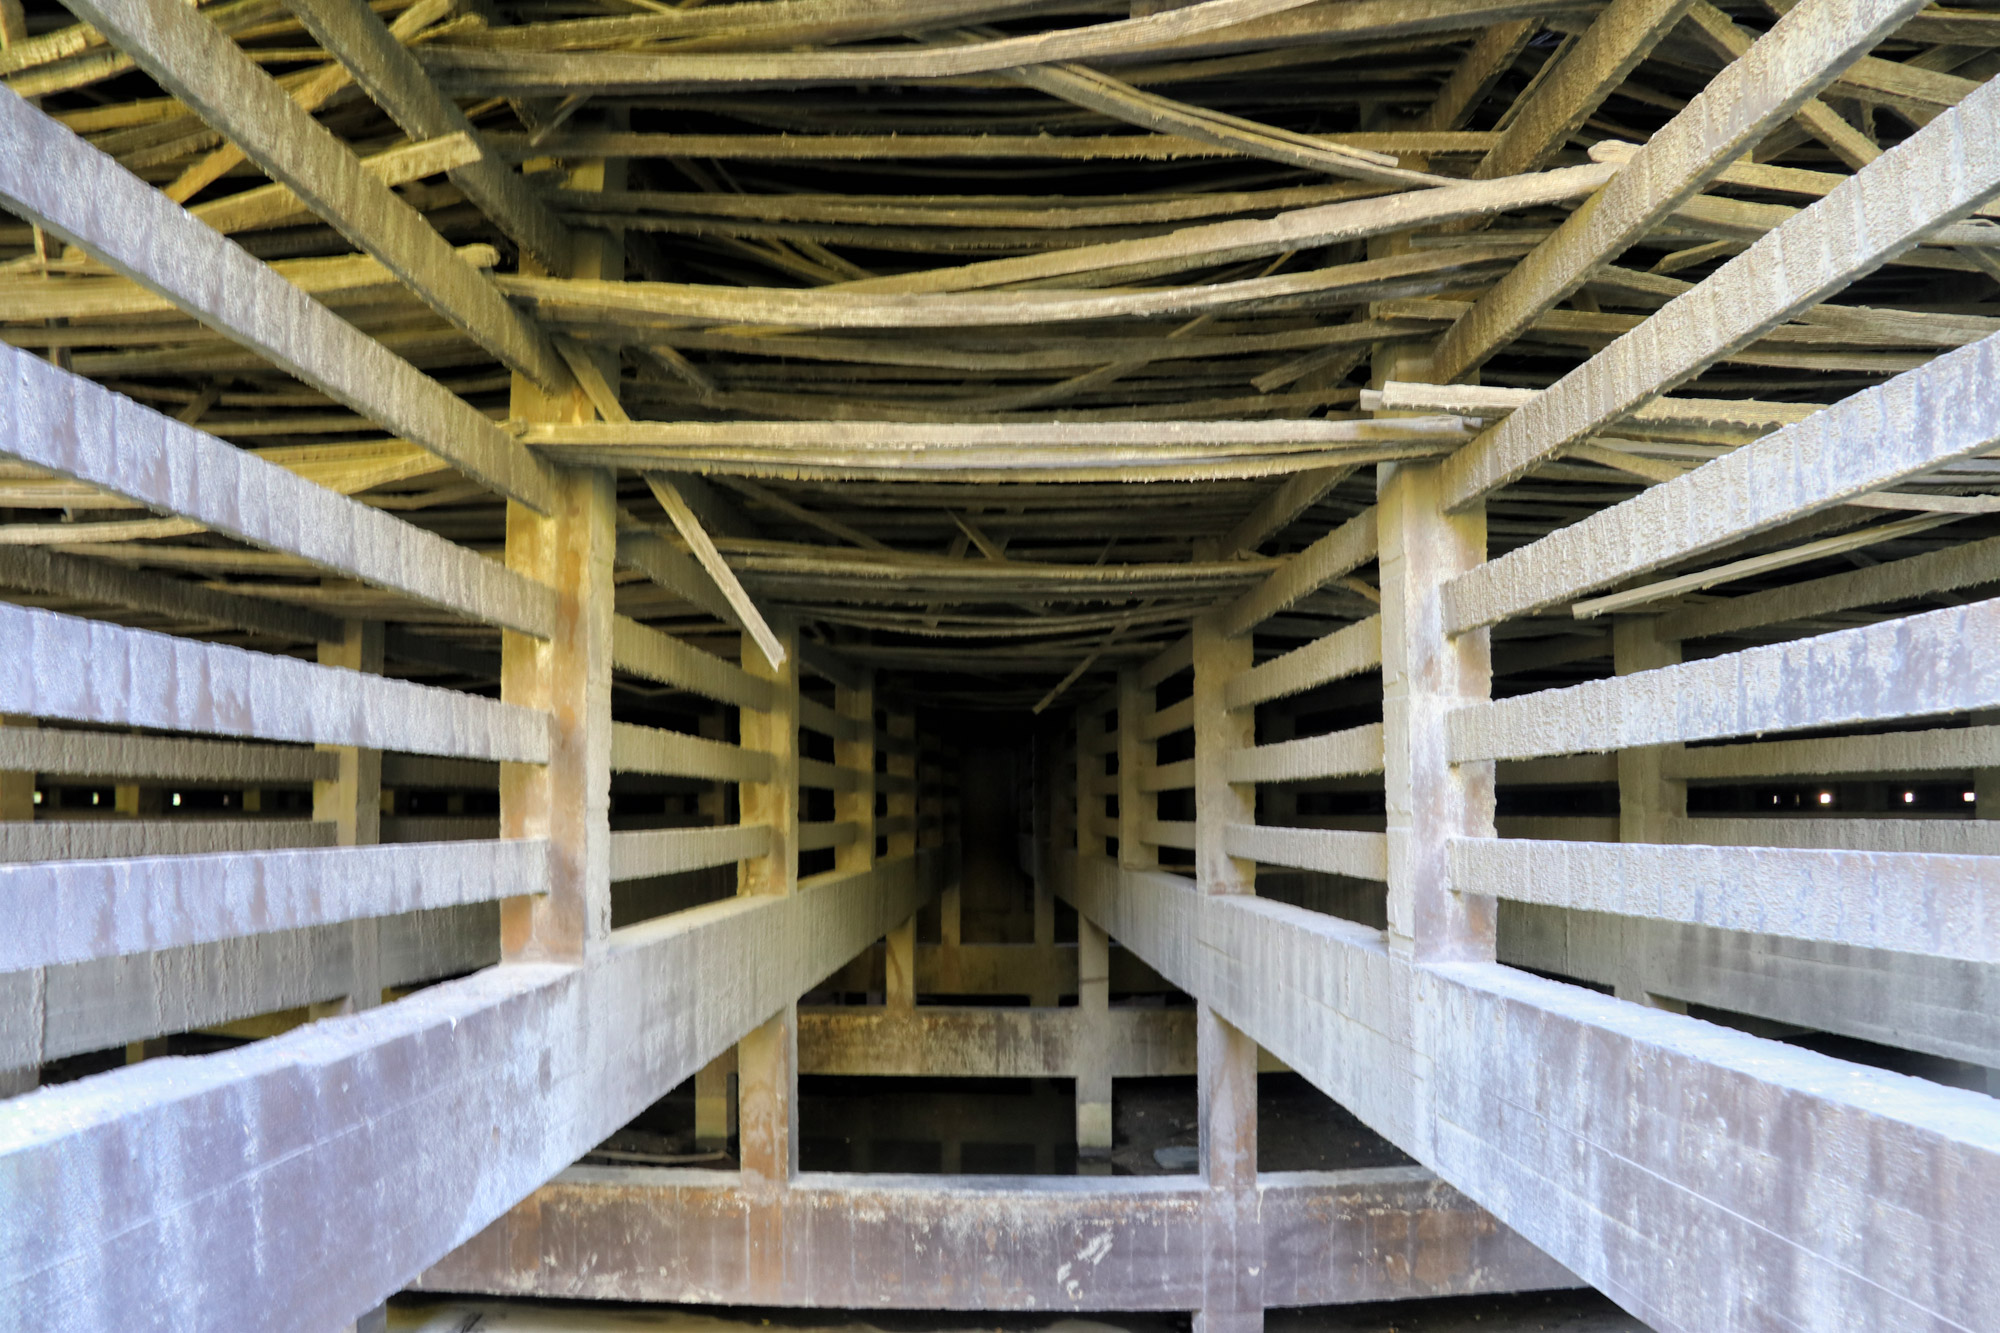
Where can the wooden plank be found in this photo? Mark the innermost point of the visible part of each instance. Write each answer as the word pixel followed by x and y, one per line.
pixel 1800 55
pixel 1936 176
pixel 1343 653
pixel 637 749
pixel 72 426
pixel 1280 509
pixel 1329 851
pixel 903 147
pixel 95 581
pixel 76 911
pixel 1944 412
pixel 645 651
pixel 97 839
pixel 1945 837
pixel 1339 552
pixel 830 777
pixel 717 569
pixel 1944 906
pixel 60 666
pixel 384 68
pixel 1912 667
pixel 818 835
pixel 1555 107
pixel 641 853
pixel 652 556
pixel 1356 750
pixel 158 245
pixel 107 754
pixel 1945 749
pixel 1170 661
pixel 192 59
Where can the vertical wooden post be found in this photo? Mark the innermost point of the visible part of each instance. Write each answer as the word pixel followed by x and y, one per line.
pixel 567 800
pixel 856 806
pixel 1425 675
pixel 352 802
pixel 767 1059
pixel 1093 1011
pixel 1225 1059
pixel 1649 803
pixel 714 1099
pixel 1050 849
pixel 1135 756
pixel 899 959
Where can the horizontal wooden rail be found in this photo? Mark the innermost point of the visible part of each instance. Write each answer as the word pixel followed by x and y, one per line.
pixel 111 836
pixel 817 836
pixel 637 749
pixel 1176 833
pixel 1174 717
pixel 1342 551
pixel 107 754
pixel 832 777
pixel 1331 851
pixel 79 670
pixel 1175 658
pixel 645 651
pixel 1889 833
pixel 642 853
pixel 79 429
pixel 1943 906
pixel 1920 665
pixel 1176 776
pixel 1338 754
pixel 820 718
pixel 76 911
pixel 1343 653
pixel 1945 749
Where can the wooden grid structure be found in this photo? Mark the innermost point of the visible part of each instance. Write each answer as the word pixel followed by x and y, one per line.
pixel 1485 505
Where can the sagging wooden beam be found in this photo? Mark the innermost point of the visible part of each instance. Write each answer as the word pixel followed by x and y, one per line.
pixel 196 62
pixel 1799 56
pixel 1912 667
pixel 80 670
pixel 1936 176
pixel 78 911
pixel 391 76
pixel 63 184
pixel 987 1243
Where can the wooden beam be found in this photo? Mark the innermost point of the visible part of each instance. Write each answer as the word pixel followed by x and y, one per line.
pixel 78 911
pixel 193 60
pixel 123 676
pixel 159 246
pixel 1936 176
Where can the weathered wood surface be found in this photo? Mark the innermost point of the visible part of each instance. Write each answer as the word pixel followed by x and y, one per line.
pixel 986 1243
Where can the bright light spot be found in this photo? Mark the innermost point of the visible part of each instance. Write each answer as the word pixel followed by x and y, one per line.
pixel 1826 798
pixel 38 798
pixel 1908 797
pixel 93 798
pixel 177 798
pixel 1972 796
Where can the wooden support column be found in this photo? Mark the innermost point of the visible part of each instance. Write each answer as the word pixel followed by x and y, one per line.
pixel 17 804
pixel 1225 1059
pixel 352 802
pixel 567 800
pixel 1649 802
pixel 1135 756
pixel 900 957
pixel 1425 675
pixel 767 1059
pixel 714 1082
pixel 1093 1077
pixel 1050 846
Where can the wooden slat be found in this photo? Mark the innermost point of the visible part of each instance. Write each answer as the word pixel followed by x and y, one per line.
pixel 1168 833
pixel 1338 754
pixel 1170 661
pixel 52 177
pixel 1944 411
pixel 1936 176
pixel 107 754
pixel 192 59
pixel 1913 667
pixel 1944 906
pixel 1174 717
pixel 645 651
pixel 818 836
pixel 78 670
pixel 75 911
pixel 1950 749
pixel 636 749
pixel 98 839
pixel 819 773
pixel 1343 653
pixel 70 425
pixel 1330 851
pixel 816 715
pixel 1176 776
pixel 141 590
pixel 1340 552
pixel 641 853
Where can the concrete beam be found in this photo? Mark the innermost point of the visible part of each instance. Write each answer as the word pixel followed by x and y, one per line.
pixel 975 1042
